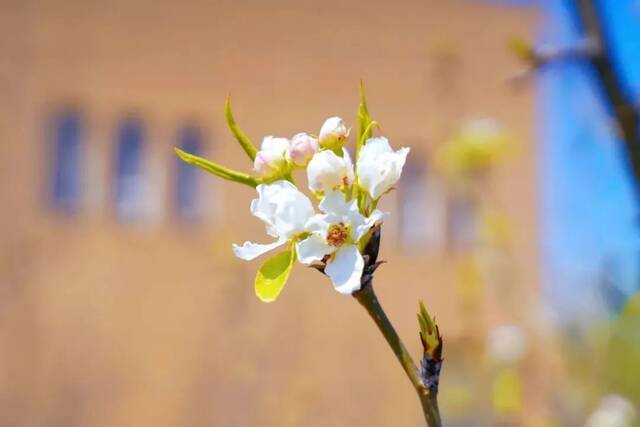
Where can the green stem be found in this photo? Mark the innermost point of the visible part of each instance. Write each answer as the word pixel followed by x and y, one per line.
pixel 368 299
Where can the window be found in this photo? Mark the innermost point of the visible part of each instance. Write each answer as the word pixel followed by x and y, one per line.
pixel 66 171
pixel 419 208
pixel 461 221
pixel 187 188
pixel 129 184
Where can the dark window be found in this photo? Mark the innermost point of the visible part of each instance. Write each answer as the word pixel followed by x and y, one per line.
pixel 414 214
pixel 66 169
pixel 461 221
pixel 128 168
pixel 187 188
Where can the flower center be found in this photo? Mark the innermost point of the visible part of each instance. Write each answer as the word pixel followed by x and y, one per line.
pixel 337 234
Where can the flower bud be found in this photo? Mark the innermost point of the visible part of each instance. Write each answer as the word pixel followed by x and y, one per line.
pixel 327 171
pixel 333 133
pixel 271 160
pixel 303 147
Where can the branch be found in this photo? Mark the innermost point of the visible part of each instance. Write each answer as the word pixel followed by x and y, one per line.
pixel 594 50
pixel 368 299
pixel 537 57
pixel 624 111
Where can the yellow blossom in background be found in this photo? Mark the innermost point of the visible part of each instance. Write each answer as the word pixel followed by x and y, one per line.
pixel 469 281
pixel 507 393
pixel 495 228
pixel 477 147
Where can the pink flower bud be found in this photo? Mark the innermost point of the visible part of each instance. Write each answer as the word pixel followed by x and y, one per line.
pixel 303 147
pixel 270 160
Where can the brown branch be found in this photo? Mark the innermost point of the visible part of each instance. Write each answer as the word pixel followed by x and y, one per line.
pixel 624 111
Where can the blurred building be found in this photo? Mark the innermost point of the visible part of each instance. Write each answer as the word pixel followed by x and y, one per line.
pixel 120 301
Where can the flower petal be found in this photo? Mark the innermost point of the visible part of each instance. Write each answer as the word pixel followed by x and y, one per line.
pixel 379 167
pixel 345 270
pixel 361 229
pixel 349 174
pixel 250 250
pixel 318 224
pixel 276 144
pixel 334 203
pixel 313 249
pixel 283 208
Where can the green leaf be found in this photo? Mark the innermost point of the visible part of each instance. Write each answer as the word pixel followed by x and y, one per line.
pixel 427 325
pixel 364 121
pixel 428 330
pixel 240 136
pixel 273 275
pixel 217 169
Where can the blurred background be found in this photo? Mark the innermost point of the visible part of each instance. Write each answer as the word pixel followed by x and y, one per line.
pixel 121 303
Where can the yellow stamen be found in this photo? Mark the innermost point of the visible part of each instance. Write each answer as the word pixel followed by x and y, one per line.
pixel 337 234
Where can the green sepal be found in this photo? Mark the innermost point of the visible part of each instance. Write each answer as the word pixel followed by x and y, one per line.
pixel 364 240
pixel 240 136
pixel 273 275
pixel 217 169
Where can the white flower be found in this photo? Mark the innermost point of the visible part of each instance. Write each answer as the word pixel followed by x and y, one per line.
pixel 303 147
pixel 327 171
pixel 336 233
pixel 613 411
pixel 379 167
pixel 285 212
pixel 333 133
pixel 271 159
pixel 506 343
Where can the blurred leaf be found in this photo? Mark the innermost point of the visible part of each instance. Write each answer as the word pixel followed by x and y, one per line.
pixel 273 275
pixel 631 308
pixel 623 355
pixel 522 50
pixel 240 136
pixel 217 169
pixel 469 283
pixel 507 392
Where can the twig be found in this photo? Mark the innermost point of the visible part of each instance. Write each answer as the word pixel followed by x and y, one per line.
pixel 538 57
pixel 368 299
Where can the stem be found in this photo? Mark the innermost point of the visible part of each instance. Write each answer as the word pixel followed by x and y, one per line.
pixel 368 299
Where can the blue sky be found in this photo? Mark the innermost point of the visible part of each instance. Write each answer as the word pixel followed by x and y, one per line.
pixel 590 222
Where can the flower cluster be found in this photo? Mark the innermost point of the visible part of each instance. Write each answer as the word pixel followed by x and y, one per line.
pixel 332 237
